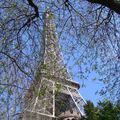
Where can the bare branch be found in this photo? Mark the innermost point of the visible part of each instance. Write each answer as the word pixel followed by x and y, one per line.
pixel 111 4
pixel 14 61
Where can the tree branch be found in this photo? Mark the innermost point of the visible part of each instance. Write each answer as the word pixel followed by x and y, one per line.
pixel 111 4
pixel 12 85
pixel 15 62
pixel 31 17
pixel 31 3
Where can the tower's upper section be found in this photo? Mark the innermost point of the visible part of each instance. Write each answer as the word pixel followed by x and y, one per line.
pixel 52 58
pixel 52 66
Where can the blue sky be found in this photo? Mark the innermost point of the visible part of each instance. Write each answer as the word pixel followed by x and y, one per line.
pixel 89 91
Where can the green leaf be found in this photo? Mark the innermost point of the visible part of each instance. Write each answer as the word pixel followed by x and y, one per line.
pixel 10 92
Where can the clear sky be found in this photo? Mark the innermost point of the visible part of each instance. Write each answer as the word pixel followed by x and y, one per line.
pixel 89 91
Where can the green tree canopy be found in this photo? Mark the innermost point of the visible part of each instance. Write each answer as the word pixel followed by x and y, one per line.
pixel 104 110
pixel 92 112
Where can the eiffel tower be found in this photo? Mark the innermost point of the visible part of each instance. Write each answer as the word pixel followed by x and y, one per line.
pixel 53 95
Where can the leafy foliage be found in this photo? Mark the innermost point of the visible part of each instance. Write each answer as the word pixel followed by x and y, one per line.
pixel 103 111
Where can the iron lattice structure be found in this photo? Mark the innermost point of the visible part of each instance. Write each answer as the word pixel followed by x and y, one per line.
pixel 53 94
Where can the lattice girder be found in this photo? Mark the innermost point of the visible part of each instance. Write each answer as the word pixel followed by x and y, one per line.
pixel 53 93
pixel 54 98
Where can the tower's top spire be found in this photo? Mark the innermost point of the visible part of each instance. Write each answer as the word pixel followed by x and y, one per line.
pixel 48 14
